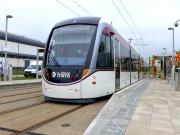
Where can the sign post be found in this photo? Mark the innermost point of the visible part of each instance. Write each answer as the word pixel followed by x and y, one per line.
pixel 39 50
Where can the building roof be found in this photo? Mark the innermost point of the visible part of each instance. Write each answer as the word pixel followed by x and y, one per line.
pixel 19 55
pixel 21 39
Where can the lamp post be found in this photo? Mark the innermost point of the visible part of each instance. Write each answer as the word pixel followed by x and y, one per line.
pixel 176 23
pixel 6 34
pixel 172 44
pixel 173 63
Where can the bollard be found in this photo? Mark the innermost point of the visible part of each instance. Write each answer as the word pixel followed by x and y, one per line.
pixel 10 72
pixel 177 79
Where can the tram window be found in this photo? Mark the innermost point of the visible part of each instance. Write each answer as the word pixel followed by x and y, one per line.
pixel 104 59
pixel 70 45
pixel 125 59
pixel 117 53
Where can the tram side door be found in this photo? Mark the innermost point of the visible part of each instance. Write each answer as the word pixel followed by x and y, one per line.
pixel 117 64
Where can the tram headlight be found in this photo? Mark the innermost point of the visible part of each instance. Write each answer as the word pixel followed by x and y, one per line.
pixel 85 72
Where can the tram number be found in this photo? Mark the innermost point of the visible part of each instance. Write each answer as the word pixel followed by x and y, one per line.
pixel 61 74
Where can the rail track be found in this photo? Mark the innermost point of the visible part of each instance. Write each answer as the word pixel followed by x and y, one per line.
pixel 17 95
pixel 21 108
pixel 24 110
pixel 22 93
pixel 18 88
pixel 21 104
pixel 42 123
pixel 19 85
pixel 20 98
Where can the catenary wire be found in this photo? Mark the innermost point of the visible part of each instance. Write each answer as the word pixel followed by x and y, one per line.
pixel 121 2
pixel 140 42
pixel 85 10
pixel 68 8
pixel 114 4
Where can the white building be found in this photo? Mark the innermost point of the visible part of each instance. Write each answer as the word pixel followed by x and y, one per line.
pixel 20 50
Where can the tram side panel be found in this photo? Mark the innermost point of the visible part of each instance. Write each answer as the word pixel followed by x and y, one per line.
pixel 134 67
pixel 99 84
pixel 102 81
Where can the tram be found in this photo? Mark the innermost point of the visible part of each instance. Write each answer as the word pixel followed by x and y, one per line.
pixel 86 58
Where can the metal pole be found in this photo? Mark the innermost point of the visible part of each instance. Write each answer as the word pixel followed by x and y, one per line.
pixel 173 63
pixel 164 63
pixel 1 69
pixel 149 67
pixel 37 61
pixel 5 60
pixel 6 34
pixel 173 48
pixel 130 39
pixel 18 61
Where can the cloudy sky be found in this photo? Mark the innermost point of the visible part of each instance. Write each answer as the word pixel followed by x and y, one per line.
pixel 35 18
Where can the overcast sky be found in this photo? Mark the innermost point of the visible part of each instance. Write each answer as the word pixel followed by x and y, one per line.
pixel 35 18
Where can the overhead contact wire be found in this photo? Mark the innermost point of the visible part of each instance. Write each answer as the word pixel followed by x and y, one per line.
pixel 68 8
pixel 124 18
pixel 82 8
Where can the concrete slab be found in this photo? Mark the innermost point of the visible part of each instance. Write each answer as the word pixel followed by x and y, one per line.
pixel 157 112
pixel 165 112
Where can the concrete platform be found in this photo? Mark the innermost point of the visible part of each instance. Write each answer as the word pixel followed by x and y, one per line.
pixel 19 82
pixel 149 107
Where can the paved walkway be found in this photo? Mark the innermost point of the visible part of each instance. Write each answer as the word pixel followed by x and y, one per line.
pixel 158 112
pixel 117 113
pixel 150 107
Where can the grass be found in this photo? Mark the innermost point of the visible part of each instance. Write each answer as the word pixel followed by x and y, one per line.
pixel 18 72
pixel 23 78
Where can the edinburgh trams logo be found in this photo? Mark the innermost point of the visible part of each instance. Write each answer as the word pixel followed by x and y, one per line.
pixel 53 74
pixel 61 74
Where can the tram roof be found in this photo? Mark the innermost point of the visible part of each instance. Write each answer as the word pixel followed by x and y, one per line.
pixel 79 20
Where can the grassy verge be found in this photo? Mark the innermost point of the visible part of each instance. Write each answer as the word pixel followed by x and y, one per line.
pixel 19 72
pixel 23 78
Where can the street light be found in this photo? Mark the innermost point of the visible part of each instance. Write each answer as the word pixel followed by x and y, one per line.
pixel 6 34
pixel 173 45
pixel 173 63
pixel 176 23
